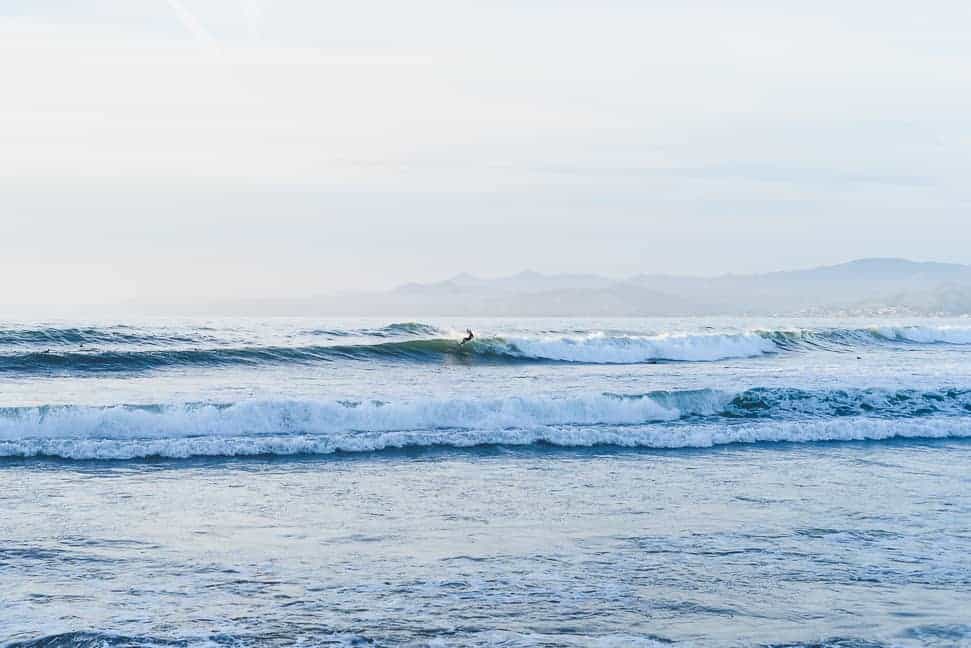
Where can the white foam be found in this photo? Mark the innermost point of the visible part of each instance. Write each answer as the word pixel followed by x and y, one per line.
pixel 320 428
pixel 926 334
pixel 257 418
pixel 601 348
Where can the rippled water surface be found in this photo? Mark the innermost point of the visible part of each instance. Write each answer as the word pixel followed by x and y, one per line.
pixel 584 483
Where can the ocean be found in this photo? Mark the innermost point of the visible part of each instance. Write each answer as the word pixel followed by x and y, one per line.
pixel 554 482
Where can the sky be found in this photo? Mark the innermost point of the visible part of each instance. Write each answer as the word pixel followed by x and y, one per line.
pixel 187 150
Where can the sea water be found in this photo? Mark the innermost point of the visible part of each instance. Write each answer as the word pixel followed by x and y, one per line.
pixel 710 482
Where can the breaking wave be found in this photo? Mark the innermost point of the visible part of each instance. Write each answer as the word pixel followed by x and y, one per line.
pixel 836 339
pixel 497 350
pixel 126 349
pixel 675 419
pixel 599 348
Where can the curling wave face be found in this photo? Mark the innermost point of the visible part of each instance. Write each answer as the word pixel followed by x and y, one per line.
pixel 667 419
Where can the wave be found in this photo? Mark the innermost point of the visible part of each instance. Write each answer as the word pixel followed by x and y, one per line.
pixel 93 360
pixel 76 336
pixel 837 339
pixel 123 349
pixel 120 335
pixel 925 334
pixel 497 350
pixel 678 419
pixel 599 348
pixel 397 329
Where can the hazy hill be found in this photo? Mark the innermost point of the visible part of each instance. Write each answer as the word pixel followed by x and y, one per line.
pixel 862 287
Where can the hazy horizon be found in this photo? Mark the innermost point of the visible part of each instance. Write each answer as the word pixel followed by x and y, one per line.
pixel 404 283
pixel 191 150
pixel 867 287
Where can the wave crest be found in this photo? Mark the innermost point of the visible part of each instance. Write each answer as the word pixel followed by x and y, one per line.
pixel 599 348
pixel 123 349
pixel 691 418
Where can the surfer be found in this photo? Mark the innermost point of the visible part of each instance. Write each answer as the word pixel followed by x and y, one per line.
pixel 467 338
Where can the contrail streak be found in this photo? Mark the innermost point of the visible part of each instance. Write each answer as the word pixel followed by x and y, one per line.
pixel 190 22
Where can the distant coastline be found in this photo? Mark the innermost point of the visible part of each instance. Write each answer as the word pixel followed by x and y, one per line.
pixel 876 287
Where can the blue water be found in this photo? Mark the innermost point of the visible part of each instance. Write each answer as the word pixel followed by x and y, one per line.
pixel 579 483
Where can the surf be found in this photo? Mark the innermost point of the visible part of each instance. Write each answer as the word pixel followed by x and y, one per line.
pixel 125 349
pixel 664 419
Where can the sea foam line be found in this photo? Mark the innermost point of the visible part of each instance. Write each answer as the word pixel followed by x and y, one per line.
pixel 692 418
pixel 631 349
pixel 657 437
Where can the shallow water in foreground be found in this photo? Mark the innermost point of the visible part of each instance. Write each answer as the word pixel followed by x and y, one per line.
pixel 556 483
pixel 864 543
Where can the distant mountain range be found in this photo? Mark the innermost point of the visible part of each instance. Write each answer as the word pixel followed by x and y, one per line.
pixel 862 287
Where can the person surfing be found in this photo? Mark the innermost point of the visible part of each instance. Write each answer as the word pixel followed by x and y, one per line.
pixel 467 338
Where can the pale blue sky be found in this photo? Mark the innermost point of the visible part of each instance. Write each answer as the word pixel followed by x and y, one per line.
pixel 188 149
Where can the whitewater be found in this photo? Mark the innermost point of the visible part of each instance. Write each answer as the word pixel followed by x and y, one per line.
pixel 705 418
pixel 235 481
